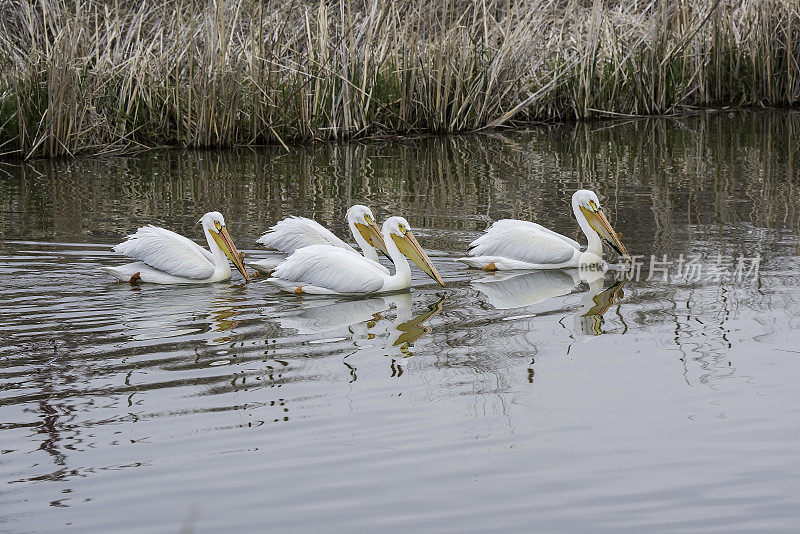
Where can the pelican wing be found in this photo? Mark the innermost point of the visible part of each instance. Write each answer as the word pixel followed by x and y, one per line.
pixel 522 243
pixel 168 252
pixel 293 233
pixel 333 268
pixel 504 224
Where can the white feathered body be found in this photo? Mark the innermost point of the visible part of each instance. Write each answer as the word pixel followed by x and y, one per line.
pixel 513 244
pixel 165 257
pixel 293 233
pixel 329 270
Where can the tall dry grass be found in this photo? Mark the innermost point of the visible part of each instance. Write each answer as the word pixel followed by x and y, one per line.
pixel 85 76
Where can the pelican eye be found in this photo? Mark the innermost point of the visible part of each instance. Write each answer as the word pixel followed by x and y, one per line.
pixel 367 218
pixel 593 205
pixel 217 225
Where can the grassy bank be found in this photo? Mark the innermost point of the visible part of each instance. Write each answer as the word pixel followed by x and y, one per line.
pixel 90 77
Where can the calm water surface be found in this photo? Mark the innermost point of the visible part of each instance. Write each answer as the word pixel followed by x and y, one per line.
pixel 513 403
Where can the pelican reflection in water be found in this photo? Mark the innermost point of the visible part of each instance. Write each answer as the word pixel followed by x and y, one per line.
pixel 366 319
pixel 596 302
pixel 207 313
pixel 517 290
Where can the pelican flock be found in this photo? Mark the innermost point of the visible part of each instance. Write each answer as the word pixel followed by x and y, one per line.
pixel 319 262
pixel 330 270
pixel 293 233
pixel 511 244
pixel 165 257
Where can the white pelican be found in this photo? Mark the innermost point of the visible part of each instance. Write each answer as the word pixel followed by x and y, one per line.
pixel 328 270
pixel 169 258
pixel 293 233
pixel 512 244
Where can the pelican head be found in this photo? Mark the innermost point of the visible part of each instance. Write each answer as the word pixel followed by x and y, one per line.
pixel 214 223
pixel 400 232
pixel 587 203
pixel 364 221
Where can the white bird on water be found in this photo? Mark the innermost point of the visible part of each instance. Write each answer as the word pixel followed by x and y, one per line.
pixel 165 257
pixel 329 270
pixel 512 244
pixel 293 233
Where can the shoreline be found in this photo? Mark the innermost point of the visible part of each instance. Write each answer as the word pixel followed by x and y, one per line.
pixel 519 127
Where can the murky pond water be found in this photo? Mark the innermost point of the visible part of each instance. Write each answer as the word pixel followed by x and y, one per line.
pixel 535 402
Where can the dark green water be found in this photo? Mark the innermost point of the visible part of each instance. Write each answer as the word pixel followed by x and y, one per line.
pixel 531 403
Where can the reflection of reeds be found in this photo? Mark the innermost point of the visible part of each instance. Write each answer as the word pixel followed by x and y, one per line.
pixel 654 176
pixel 89 77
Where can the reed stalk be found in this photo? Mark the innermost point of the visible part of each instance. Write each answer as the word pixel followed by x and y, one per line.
pixel 90 77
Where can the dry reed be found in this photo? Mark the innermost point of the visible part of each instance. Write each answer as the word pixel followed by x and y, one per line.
pixel 92 77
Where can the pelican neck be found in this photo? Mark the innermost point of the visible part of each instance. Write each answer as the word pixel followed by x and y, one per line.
pixel 594 245
pixel 401 278
pixel 367 250
pixel 221 267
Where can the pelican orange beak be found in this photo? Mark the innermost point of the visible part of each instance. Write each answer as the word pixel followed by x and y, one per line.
pixel 408 245
pixel 223 239
pixel 372 234
pixel 597 220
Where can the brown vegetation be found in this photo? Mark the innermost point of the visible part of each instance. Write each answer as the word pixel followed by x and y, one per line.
pixel 95 77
